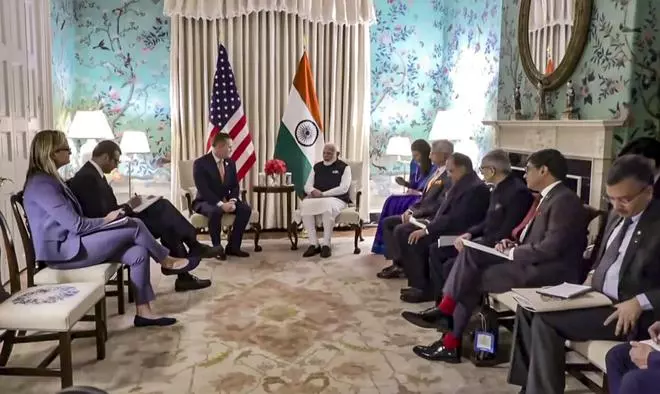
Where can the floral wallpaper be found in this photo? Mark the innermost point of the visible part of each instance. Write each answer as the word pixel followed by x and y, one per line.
pixel 114 55
pixel 616 77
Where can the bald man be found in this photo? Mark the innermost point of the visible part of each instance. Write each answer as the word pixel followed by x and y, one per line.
pixel 326 194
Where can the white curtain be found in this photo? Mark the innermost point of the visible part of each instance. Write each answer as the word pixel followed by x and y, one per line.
pixel 264 49
pixel 550 29
pixel 341 12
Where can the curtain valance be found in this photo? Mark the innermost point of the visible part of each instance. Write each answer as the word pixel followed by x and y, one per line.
pixel 341 12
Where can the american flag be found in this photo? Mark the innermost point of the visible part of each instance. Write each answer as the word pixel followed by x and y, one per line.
pixel 226 115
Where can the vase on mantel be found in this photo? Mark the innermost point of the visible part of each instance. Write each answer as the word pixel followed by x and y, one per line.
pixel 273 180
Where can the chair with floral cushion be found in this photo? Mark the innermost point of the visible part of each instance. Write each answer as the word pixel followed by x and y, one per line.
pixel 51 312
pixel 200 222
pixel 349 216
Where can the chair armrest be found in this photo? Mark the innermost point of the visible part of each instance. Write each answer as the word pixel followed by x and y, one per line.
pixel 358 196
pixel 188 196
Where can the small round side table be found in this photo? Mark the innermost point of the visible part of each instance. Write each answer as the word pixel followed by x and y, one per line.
pixel 288 190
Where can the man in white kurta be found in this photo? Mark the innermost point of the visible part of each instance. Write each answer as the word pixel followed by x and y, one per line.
pixel 326 195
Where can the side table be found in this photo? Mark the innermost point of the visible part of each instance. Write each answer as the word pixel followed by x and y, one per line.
pixel 288 190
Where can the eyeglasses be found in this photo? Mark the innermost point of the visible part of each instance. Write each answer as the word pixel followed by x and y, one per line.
pixel 626 200
pixel 484 169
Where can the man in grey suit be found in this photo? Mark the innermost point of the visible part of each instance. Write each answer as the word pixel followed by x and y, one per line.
pixel 548 251
pixel 627 271
pixel 396 227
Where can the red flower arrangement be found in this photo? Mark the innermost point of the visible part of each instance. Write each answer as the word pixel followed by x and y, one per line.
pixel 275 166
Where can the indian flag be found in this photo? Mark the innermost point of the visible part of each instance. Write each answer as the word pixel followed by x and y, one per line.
pixel 300 139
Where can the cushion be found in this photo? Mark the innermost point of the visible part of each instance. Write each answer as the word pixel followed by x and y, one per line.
pixel 594 351
pixel 54 307
pixel 100 273
pixel 201 221
pixel 347 215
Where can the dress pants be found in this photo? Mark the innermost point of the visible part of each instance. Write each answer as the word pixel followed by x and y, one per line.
pixel 474 273
pixel 164 221
pixel 392 251
pixel 624 377
pixel 131 245
pixel 539 355
pixel 440 262
pixel 214 214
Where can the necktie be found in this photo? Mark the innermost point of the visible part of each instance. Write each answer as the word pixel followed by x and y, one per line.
pixel 609 257
pixel 432 180
pixel 518 232
pixel 221 169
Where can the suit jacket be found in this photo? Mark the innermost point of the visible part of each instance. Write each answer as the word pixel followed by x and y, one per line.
pixel 509 203
pixel 94 193
pixel 55 218
pixel 640 269
pixel 432 198
pixel 464 206
pixel 210 188
pixel 556 239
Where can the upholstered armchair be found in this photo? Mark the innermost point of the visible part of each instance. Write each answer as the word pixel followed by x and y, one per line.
pixel 200 222
pixel 349 216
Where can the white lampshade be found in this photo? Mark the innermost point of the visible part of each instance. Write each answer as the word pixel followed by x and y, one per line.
pixel 90 125
pixel 398 146
pixel 134 142
pixel 447 125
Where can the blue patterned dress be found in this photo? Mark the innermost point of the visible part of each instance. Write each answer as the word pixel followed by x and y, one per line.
pixel 397 204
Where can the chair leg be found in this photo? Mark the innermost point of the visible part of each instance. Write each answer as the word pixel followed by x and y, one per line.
pixel 100 329
pixel 121 302
pixel 131 297
pixel 257 234
pixel 66 367
pixel 293 235
pixel 356 239
pixel 7 346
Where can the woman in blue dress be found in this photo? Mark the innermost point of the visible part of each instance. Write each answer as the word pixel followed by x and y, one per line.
pixel 421 169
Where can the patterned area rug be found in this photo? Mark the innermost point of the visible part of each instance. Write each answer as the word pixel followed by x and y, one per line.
pixel 274 323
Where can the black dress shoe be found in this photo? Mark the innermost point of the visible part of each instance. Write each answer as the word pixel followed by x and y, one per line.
pixel 325 251
pixel 237 253
pixel 394 273
pixel 312 251
pixel 205 251
pixel 188 281
pixel 429 318
pixel 140 321
pixel 438 352
pixel 415 296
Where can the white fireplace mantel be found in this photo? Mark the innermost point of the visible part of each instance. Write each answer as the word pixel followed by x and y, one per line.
pixel 577 139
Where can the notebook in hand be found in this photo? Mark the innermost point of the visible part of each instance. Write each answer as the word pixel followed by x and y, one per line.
pixel 146 203
pixel 446 240
pixel 421 223
pixel 487 249
pixel 650 342
pixel 565 290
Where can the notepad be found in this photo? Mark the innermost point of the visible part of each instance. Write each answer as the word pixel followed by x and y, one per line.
pixel 534 301
pixel 650 342
pixel 114 224
pixel 487 249
pixel 565 290
pixel 146 203
pixel 446 240
pixel 421 223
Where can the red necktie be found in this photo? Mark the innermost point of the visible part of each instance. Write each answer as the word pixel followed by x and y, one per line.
pixel 528 218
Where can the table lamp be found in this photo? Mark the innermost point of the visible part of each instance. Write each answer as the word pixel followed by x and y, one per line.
pixel 89 126
pixel 399 147
pixel 133 143
pixel 454 126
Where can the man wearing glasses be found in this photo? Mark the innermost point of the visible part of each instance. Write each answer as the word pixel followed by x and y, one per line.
pixel 627 271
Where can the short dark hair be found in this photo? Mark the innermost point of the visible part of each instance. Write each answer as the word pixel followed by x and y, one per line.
pixel 553 160
pixel 220 138
pixel 648 147
pixel 461 160
pixel 106 147
pixel 631 166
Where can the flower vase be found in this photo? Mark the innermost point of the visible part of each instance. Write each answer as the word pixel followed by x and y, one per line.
pixel 273 180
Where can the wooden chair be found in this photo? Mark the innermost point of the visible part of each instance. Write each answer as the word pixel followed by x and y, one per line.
pixel 52 311
pixel 41 275
pixel 348 216
pixel 201 222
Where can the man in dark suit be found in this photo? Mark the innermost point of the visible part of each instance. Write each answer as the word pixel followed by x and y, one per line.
pixel 396 227
pixel 218 194
pixel 464 206
pixel 627 271
pixel 163 220
pixel 634 368
pixel 510 201
pixel 548 251
pixel 648 147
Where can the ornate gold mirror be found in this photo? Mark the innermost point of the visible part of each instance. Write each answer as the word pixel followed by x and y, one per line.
pixel 551 39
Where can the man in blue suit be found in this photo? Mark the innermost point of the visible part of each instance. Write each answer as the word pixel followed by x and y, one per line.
pixel 634 368
pixel 217 194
